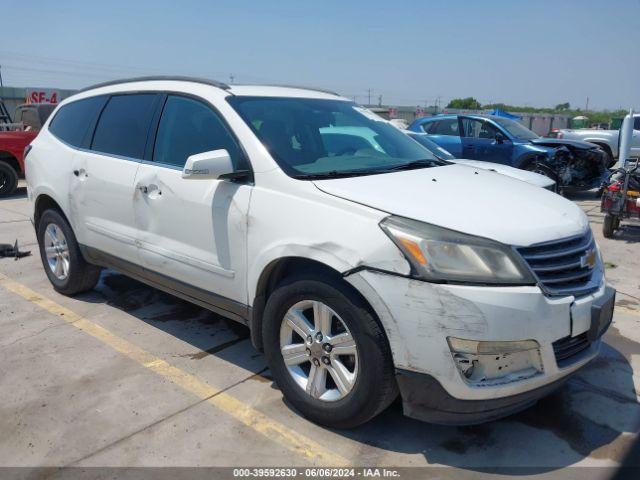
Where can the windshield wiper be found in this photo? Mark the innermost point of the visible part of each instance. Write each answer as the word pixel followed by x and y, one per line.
pixel 373 171
pixel 334 174
pixel 416 164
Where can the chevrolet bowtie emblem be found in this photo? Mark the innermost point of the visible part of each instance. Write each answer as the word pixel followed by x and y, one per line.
pixel 589 259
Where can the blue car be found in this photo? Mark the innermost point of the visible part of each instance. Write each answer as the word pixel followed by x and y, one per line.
pixel 496 139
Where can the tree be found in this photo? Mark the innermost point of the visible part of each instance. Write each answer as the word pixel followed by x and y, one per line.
pixel 468 103
pixel 563 106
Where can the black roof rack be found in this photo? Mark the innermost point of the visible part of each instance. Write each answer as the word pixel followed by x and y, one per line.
pixel 314 89
pixel 179 78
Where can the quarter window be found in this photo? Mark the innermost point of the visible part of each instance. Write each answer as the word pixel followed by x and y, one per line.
pixel 73 120
pixel 124 124
pixel 188 127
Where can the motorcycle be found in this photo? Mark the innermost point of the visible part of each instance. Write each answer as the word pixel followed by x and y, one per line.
pixel 620 198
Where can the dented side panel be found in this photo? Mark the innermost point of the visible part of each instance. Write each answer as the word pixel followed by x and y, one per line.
pixel 298 220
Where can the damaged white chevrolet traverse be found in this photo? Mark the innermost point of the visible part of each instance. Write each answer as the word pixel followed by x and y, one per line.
pixel 364 266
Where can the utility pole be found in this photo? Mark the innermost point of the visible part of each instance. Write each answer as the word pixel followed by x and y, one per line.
pixel 369 96
pixel 1 85
pixel 231 78
pixel 379 100
pixel 586 108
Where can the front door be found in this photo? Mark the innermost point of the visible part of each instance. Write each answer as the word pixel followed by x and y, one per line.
pixel 483 141
pixel 192 231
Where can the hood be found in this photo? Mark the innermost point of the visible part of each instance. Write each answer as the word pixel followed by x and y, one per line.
pixel 15 134
pixel 466 199
pixel 559 142
pixel 523 175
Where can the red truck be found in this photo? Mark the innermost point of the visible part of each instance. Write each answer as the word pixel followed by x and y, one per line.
pixel 31 117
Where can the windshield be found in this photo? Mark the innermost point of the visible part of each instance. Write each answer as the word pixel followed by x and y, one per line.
pixel 433 147
pixel 315 138
pixel 515 129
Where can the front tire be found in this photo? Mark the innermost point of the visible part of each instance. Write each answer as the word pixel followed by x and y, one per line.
pixel 8 179
pixel 63 263
pixel 338 370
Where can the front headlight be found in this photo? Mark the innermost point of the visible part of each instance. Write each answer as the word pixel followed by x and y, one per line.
pixel 439 254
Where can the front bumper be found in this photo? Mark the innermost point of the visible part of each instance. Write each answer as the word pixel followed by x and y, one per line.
pixel 423 398
pixel 419 317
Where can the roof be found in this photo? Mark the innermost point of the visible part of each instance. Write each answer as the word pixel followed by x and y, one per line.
pixel 455 115
pixel 240 90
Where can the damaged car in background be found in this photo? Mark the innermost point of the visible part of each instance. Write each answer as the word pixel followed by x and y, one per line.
pixel 571 164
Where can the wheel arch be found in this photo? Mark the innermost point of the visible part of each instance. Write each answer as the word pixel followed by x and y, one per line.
pixel 528 158
pixel 10 159
pixel 604 145
pixel 44 202
pixel 281 268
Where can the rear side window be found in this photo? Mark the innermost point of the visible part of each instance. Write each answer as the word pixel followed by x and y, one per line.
pixel 188 127
pixel 448 126
pixel 72 122
pixel 429 127
pixel 124 124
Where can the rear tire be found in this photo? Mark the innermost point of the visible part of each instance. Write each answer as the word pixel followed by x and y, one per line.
pixel 371 383
pixel 609 226
pixel 62 260
pixel 8 179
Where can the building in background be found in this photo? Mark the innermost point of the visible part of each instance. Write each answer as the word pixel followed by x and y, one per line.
pixel 14 96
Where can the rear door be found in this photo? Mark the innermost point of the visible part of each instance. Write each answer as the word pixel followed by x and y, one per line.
pixel 105 173
pixel 446 133
pixel 193 230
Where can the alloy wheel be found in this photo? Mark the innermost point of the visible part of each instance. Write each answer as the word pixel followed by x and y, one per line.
pixel 318 350
pixel 57 251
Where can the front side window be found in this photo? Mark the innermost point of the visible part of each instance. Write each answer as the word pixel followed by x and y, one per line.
pixel 474 128
pixel 124 125
pixel 188 127
pixel 72 121
pixel 636 123
pixel 317 137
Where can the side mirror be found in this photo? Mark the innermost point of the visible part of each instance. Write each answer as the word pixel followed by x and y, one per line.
pixel 500 138
pixel 208 165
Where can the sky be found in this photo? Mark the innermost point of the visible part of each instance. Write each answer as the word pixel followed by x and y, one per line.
pixel 535 53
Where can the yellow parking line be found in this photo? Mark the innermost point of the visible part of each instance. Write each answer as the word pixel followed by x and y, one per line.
pixel 239 410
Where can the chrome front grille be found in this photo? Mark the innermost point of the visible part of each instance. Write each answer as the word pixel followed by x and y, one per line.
pixel 565 267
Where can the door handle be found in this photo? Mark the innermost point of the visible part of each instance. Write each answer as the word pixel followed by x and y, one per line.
pixel 143 188
pixel 76 173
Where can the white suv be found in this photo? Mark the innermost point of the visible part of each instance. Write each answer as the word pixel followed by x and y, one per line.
pixel 362 272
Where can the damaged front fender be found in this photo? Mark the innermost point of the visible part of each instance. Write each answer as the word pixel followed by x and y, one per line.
pixel 576 165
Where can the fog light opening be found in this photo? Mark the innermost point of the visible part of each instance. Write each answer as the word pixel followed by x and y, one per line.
pixel 484 363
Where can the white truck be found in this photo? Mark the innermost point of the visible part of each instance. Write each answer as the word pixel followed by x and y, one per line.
pixel 608 140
